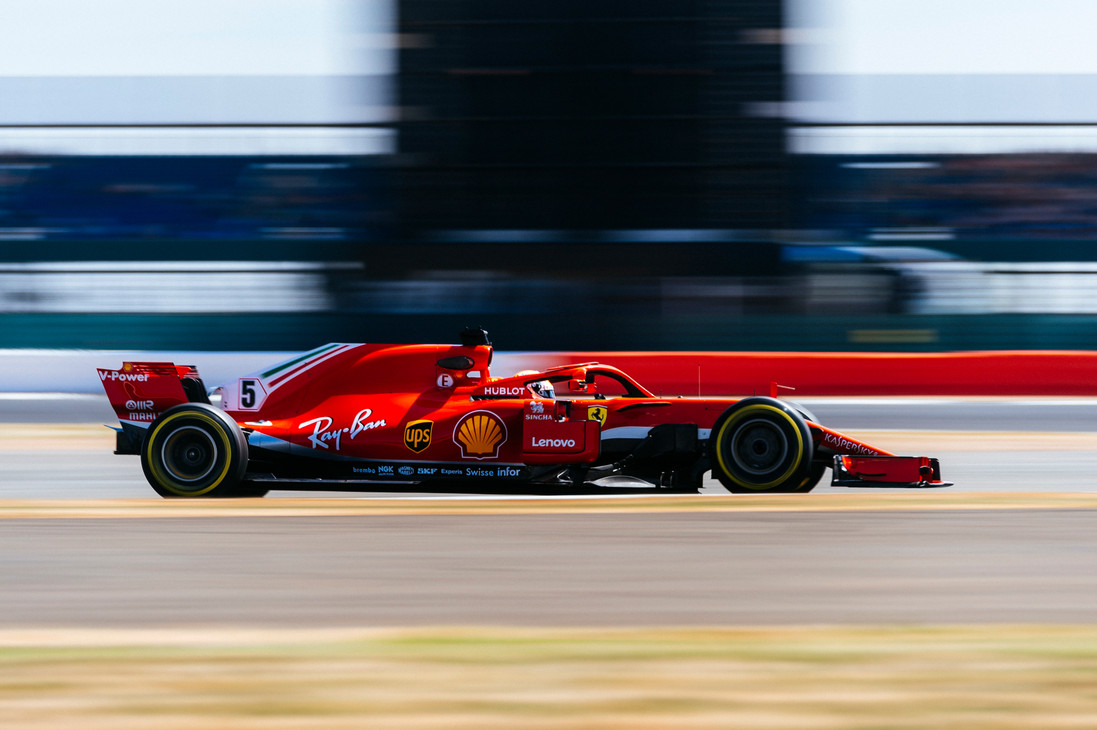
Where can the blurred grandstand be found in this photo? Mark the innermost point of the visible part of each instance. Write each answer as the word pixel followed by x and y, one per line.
pixel 616 175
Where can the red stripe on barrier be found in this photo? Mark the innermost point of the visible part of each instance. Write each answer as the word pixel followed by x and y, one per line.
pixel 836 373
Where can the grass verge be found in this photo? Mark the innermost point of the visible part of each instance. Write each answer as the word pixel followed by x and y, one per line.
pixel 802 677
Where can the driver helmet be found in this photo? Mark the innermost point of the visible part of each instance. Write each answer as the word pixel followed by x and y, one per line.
pixel 541 388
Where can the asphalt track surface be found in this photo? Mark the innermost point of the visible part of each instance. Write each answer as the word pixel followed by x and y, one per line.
pixel 85 544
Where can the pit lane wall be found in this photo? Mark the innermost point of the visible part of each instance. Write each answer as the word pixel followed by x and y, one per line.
pixel 998 373
pixel 994 373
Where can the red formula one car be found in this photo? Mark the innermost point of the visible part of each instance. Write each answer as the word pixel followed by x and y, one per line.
pixel 432 418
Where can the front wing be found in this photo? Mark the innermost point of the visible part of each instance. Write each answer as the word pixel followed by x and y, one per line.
pixel 887 471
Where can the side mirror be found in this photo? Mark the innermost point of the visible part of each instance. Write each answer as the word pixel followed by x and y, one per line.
pixel 586 385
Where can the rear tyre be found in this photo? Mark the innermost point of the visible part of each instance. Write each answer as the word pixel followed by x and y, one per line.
pixel 762 445
pixel 194 450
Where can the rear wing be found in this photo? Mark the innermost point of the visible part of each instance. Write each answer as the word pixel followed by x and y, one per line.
pixel 141 391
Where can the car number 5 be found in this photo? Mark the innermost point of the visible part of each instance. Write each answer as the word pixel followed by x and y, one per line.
pixel 252 394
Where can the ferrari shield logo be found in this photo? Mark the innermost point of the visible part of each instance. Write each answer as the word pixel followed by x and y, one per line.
pixel 417 435
pixel 598 413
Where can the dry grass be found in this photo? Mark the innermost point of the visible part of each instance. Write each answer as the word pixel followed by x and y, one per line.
pixel 850 678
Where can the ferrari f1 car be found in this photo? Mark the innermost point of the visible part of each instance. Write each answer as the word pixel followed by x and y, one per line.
pixel 433 418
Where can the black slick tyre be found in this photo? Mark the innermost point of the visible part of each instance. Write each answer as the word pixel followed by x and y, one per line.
pixel 194 450
pixel 818 469
pixel 811 481
pixel 762 445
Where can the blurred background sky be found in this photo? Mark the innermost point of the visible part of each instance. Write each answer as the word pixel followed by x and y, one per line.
pixel 123 62
pixel 125 38
pixel 744 175
pixel 971 62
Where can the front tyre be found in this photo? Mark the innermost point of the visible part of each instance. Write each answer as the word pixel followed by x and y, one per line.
pixel 815 475
pixel 194 450
pixel 761 445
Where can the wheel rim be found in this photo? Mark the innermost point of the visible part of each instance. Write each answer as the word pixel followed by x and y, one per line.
pixel 759 447
pixel 189 455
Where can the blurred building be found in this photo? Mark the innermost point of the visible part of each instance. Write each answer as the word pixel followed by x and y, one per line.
pixel 572 175
pixel 575 116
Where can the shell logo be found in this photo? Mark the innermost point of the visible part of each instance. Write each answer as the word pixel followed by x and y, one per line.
pixel 480 434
